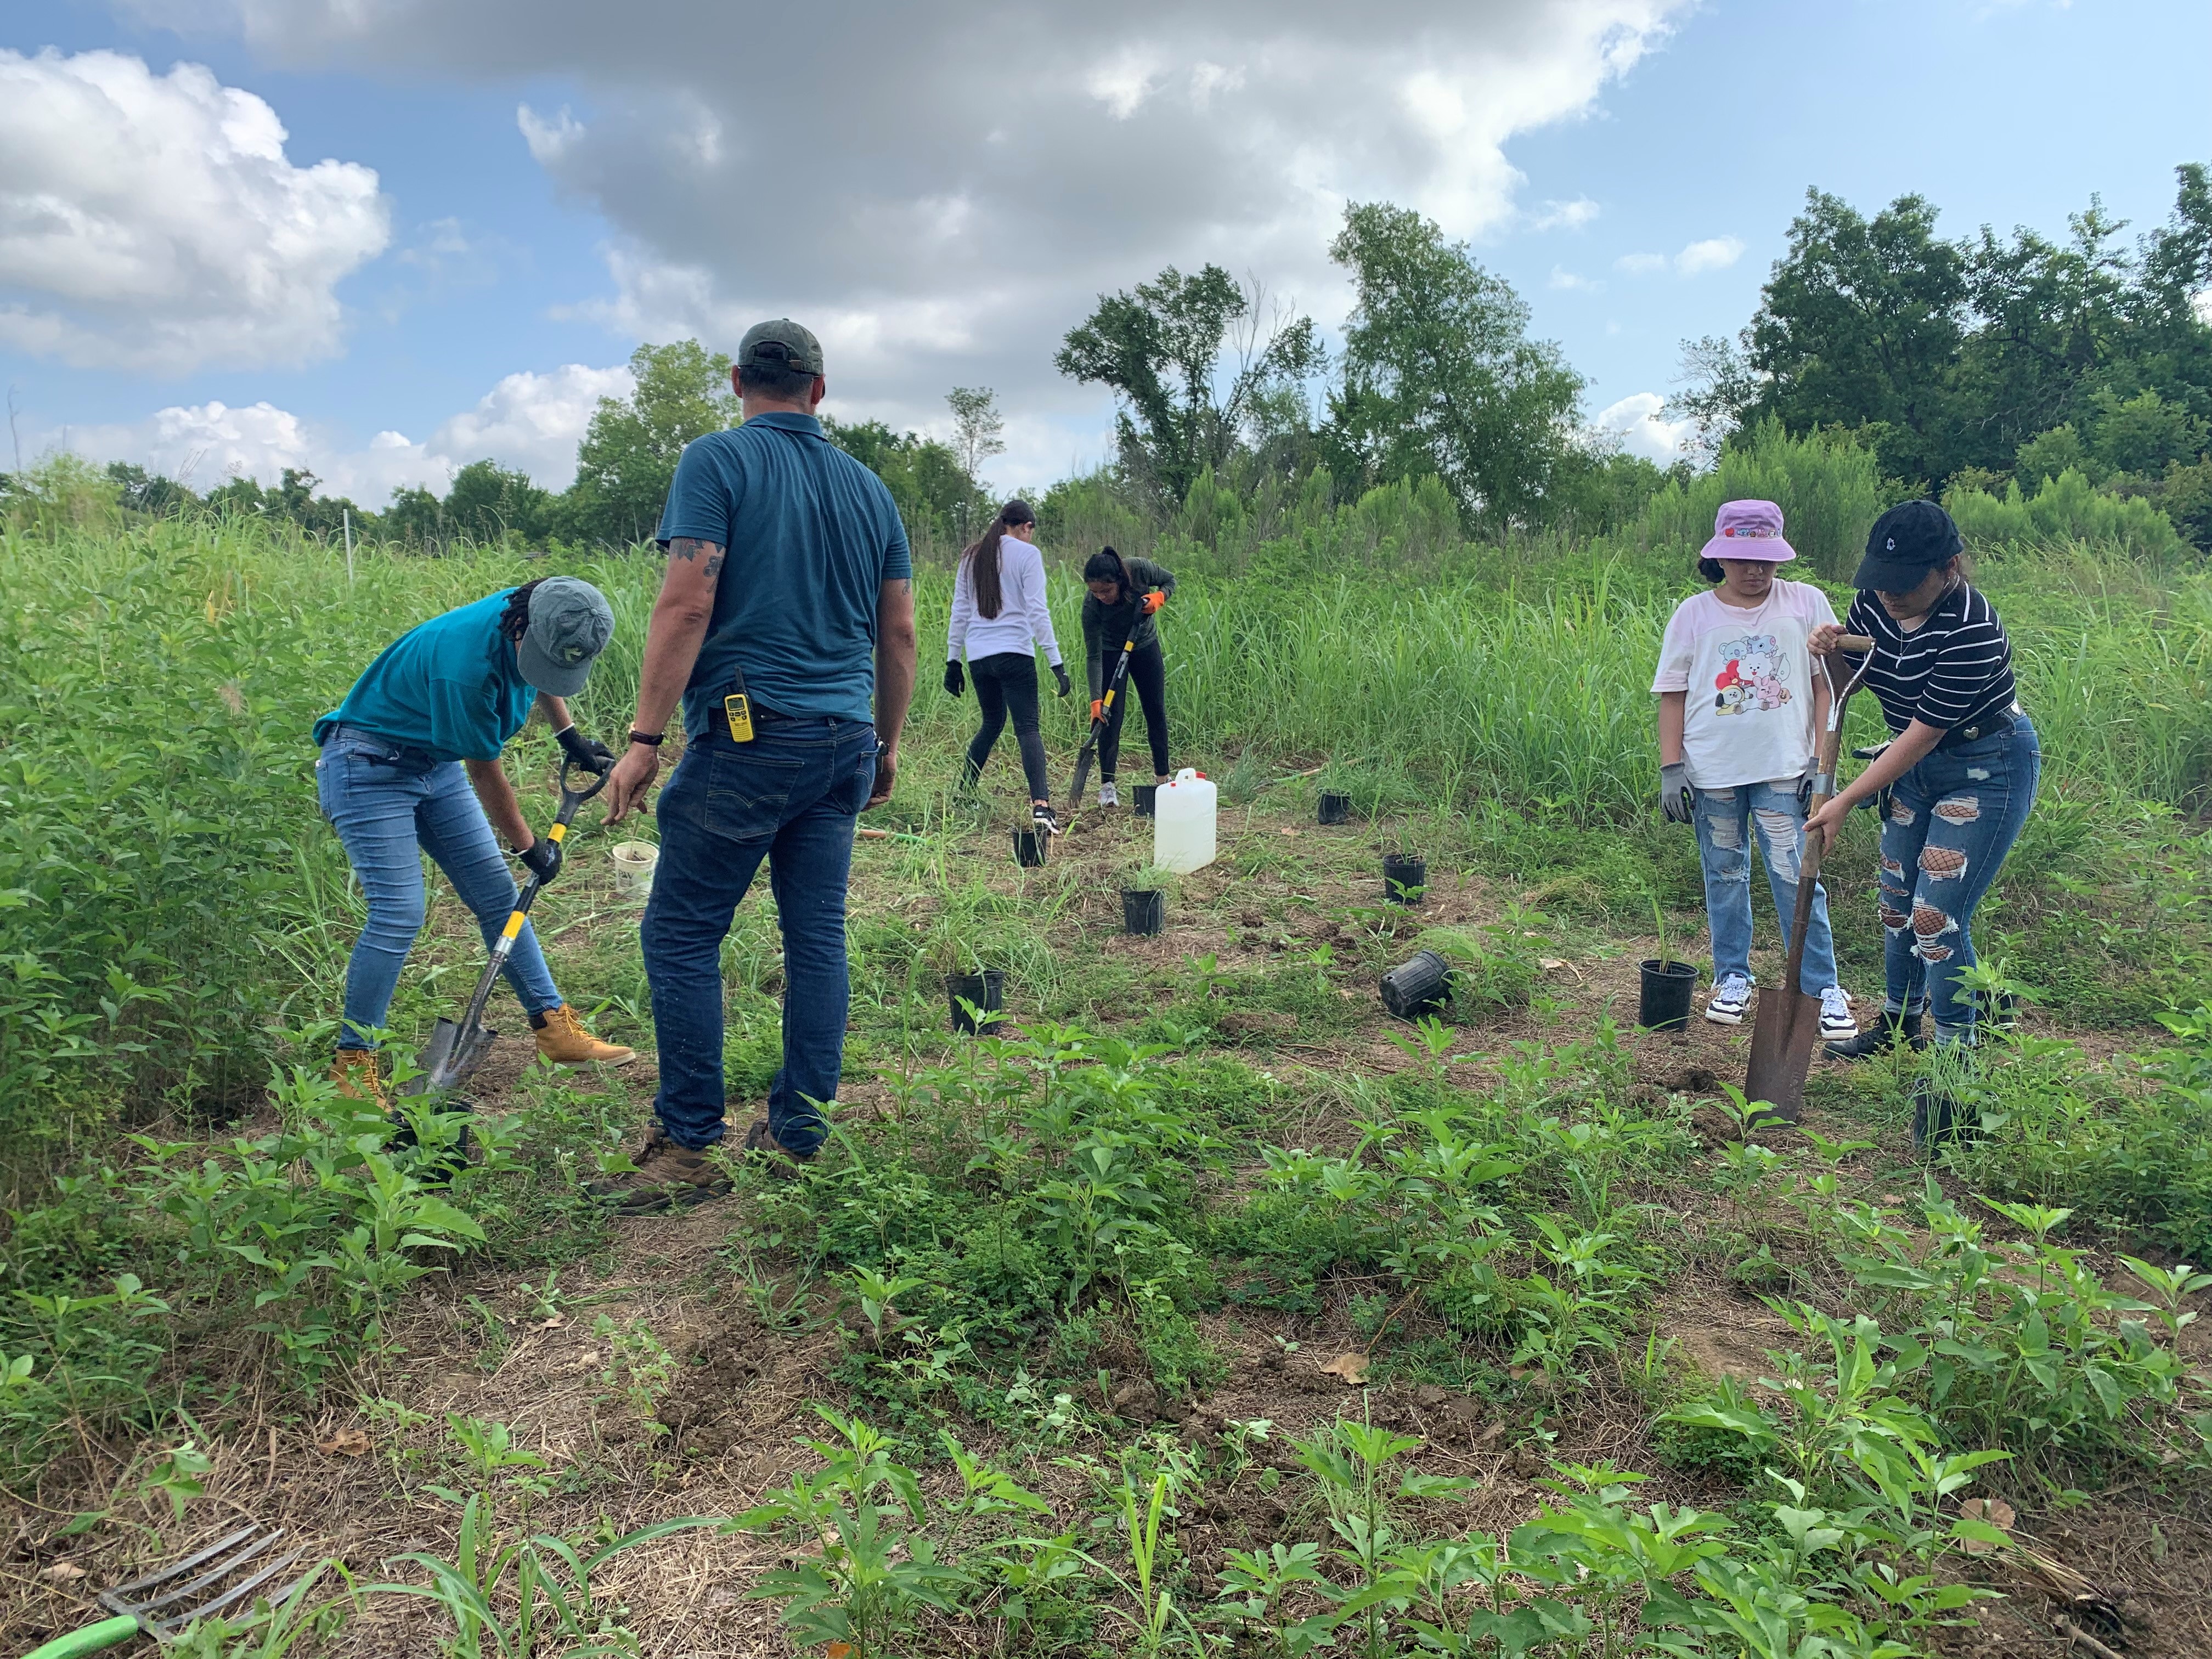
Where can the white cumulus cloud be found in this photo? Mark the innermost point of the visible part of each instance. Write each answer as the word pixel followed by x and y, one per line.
pixel 974 175
pixel 1568 281
pixel 1565 215
pixel 1714 253
pixel 154 223
pixel 1639 423
pixel 530 421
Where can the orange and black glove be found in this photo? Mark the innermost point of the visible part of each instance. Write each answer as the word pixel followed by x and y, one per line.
pixel 1153 602
pixel 1098 708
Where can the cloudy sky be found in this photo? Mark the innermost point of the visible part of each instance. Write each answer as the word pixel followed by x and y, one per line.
pixel 383 238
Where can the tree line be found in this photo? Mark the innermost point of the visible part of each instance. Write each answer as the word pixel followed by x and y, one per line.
pixel 1979 364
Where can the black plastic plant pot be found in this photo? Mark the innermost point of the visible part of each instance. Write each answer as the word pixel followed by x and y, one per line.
pixel 1147 794
pixel 1664 1004
pixel 1029 849
pixel 1415 987
pixel 1335 809
pixel 986 990
pixel 1144 911
pixel 1404 877
pixel 1939 1118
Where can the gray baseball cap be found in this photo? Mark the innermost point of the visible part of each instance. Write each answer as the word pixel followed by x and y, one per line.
pixel 570 623
pixel 780 343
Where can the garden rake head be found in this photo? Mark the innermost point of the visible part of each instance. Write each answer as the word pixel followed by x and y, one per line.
pixel 222 1578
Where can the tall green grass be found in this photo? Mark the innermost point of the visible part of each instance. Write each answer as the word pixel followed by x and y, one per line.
pixel 161 858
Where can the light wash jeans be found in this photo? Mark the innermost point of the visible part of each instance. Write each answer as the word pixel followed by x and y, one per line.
pixel 390 805
pixel 1952 819
pixel 1727 819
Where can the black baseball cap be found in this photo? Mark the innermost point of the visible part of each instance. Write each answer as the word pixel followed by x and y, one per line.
pixel 1907 542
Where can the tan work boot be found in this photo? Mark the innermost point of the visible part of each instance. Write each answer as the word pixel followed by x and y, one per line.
pixel 354 1073
pixel 666 1175
pixel 563 1039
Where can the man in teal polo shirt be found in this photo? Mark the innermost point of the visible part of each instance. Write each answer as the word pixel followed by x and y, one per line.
pixel 411 765
pixel 786 624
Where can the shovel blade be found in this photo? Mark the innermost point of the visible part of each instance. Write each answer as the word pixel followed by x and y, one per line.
pixel 449 1056
pixel 1082 773
pixel 1782 1036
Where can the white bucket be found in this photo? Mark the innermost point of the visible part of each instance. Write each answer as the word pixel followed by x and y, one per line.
pixel 634 862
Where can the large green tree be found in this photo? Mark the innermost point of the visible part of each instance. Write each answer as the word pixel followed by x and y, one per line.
pixel 937 498
pixel 1159 348
pixel 1861 324
pixel 491 503
pixel 628 454
pixel 1440 374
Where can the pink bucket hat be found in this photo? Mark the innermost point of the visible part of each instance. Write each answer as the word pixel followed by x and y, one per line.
pixel 1748 530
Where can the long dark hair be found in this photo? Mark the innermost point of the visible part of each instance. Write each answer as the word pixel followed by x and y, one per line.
pixel 982 556
pixel 1105 566
pixel 514 620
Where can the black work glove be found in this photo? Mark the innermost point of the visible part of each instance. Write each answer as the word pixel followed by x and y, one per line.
pixel 955 682
pixel 542 858
pixel 1879 801
pixel 1675 798
pixel 589 753
pixel 1060 673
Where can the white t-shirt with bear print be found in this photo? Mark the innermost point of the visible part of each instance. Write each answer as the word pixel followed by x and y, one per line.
pixel 1748 717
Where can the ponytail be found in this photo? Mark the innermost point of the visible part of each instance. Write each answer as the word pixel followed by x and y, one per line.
pixel 1105 566
pixel 981 557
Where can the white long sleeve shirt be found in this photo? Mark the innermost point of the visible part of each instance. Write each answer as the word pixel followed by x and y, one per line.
pixel 1023 623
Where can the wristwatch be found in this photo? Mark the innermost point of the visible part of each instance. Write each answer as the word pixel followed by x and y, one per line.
pixel 650 739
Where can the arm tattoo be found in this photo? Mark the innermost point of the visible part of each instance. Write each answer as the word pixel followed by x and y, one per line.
pixel 714 565
pixel 689 547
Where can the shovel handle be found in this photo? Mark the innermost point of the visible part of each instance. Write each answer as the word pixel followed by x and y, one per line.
pixel 92 1638
pixel 1858 645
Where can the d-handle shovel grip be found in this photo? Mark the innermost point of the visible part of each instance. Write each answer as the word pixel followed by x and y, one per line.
pixel 92 1638
pixel 570 798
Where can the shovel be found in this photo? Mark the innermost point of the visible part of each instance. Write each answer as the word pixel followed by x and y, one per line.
pixel 455 1051
pixel 220 1578
pixel 1787 1021
pixel 1090 753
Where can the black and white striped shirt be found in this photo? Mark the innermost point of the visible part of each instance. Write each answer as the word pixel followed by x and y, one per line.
pixel 1952 670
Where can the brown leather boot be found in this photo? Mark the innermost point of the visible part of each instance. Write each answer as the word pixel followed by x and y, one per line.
pixel 354 1073
pixel 764 1149
pixel 666 1175
pixel 563 1039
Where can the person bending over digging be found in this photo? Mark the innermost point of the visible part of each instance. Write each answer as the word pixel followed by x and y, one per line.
pixel 786 624
pixel 1739 715
pixel 1957 779
pixel 1125 596
pixel 411 765
pixel 999 620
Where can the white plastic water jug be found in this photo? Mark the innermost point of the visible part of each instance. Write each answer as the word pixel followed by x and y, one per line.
pixel 1182 822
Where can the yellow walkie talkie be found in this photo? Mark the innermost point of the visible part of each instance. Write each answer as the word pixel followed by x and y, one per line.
pixel 737 709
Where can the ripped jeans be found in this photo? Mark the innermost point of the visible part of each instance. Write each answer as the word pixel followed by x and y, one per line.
pixel 1726 820
pixel 1952 819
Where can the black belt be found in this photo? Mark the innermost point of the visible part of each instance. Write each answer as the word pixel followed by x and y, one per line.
pixel 1989 726
pixel 717 720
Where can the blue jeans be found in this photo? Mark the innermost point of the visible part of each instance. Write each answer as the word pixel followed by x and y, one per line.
pixel 1726 820
pixel 1952 819
pixel 390 804
pixel 791 795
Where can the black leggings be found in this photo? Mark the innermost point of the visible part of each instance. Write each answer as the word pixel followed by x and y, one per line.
pixel 1148 673
pixel 1008 685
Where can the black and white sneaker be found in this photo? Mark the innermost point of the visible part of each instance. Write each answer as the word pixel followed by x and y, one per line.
pixel 1837 1023
pixel 1046 820
pixel 1728 1000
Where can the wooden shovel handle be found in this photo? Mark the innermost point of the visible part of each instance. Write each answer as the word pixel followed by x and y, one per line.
pixel 1857 644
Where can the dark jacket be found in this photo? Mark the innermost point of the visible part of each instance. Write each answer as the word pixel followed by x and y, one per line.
pixel 1105 626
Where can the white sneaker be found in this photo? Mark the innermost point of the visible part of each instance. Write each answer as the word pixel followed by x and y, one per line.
pixel 1837 1023
pixel 1107 797
pixel 1728 1000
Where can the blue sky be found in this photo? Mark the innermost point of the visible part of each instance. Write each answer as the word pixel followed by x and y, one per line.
pixel 467 277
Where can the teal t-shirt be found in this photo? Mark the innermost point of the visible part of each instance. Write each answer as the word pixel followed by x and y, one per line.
pixel 449 686
pixel 810 535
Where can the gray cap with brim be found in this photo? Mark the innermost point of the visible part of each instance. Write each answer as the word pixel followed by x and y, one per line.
pixel 780 343
pixel 570 623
